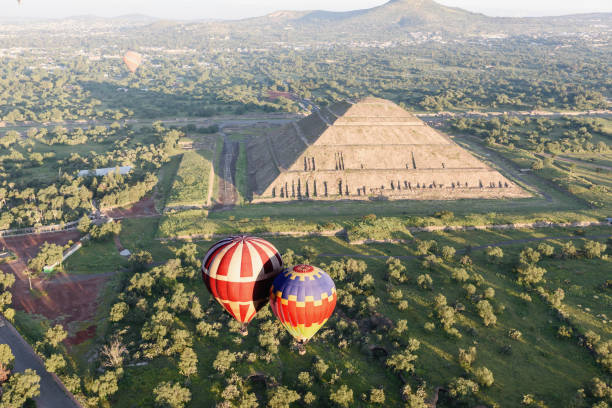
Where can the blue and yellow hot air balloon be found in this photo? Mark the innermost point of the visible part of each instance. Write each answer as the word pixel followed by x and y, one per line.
pixel 303 299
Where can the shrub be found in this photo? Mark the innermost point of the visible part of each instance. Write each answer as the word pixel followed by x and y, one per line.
pixel 462 387
pixel 545 249
pixel 460 275
pixel 425 282
pixel 377 396
pixel 484 376
pixel 171 394
pixel 485 311
pixel 494 253
pixel 448 253
pixel 514 334
pixel 343 396
pixel 467 357
pixel 593 249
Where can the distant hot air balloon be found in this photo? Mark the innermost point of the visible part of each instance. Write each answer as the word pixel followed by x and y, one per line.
pixel 132 60
pixel 302 299
pixel 238 271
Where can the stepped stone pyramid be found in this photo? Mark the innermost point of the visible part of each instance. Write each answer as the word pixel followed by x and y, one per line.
pixel 367 150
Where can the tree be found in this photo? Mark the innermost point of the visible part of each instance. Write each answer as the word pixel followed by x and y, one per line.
pixel 139 260
pixel 467 357
pixel 448 253
pixel 55 335
pixel 395 269
pixel 188 365
pixel 305 379
pixel 569 250
pixel 320 367
pixel 377 396
pixel 485 310
pixel 188 254
pixel 594 249
pixel 537 165
pixel 425 281
pixel 415 399
pixel 171 394
pixel 484 376
pixel 404 361
pixel 6 362
pixel 529 256
pixel 20 388
pixel 84 224
pixel 55 363
pixel 118 311
pixel 495 253
pixel 460 275
pixel 105 385
pixel 282 397
pixel 208 330
pixel 343 396
pixel 113 353
pixel 545 249
pixel 530 274
pixel 462 387
pixel 224 361
pixel 49 254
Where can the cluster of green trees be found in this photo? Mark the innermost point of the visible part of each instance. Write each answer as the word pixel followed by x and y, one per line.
pixel 565 135
pixel 28 199
pixel 433 76
pixel 17 390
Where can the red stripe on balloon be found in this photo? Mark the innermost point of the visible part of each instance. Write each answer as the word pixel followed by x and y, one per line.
pixel 240 291
pixel 246 265
pixel 224 265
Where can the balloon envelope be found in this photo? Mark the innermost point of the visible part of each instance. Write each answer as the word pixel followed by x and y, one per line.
pixel 132 60
pixel 303 299
pixel 238 272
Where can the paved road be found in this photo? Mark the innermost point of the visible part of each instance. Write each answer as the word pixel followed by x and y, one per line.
pixel 477 247
pixel 52 394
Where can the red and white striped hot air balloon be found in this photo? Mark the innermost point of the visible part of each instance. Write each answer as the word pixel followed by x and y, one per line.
pixel 238 272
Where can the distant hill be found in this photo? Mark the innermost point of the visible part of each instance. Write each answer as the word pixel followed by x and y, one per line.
pixel 400 17
pixel 396 20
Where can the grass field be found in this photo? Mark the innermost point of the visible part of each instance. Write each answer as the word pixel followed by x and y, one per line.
pixel 539 363
pixel 190 186
pixel 94 258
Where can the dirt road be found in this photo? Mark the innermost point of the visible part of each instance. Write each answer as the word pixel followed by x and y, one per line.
pixel 227 181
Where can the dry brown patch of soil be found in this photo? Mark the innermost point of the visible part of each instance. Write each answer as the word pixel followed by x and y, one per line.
pixel 64 299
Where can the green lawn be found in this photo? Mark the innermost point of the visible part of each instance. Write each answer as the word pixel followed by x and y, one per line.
pixel 93 258
pixel 190 186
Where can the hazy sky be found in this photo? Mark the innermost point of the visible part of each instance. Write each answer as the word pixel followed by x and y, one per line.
pixel 231 9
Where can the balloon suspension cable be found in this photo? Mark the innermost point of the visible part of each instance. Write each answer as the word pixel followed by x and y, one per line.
pixel 243 329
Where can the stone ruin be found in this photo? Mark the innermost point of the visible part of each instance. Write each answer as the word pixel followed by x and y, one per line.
pixel 367 150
